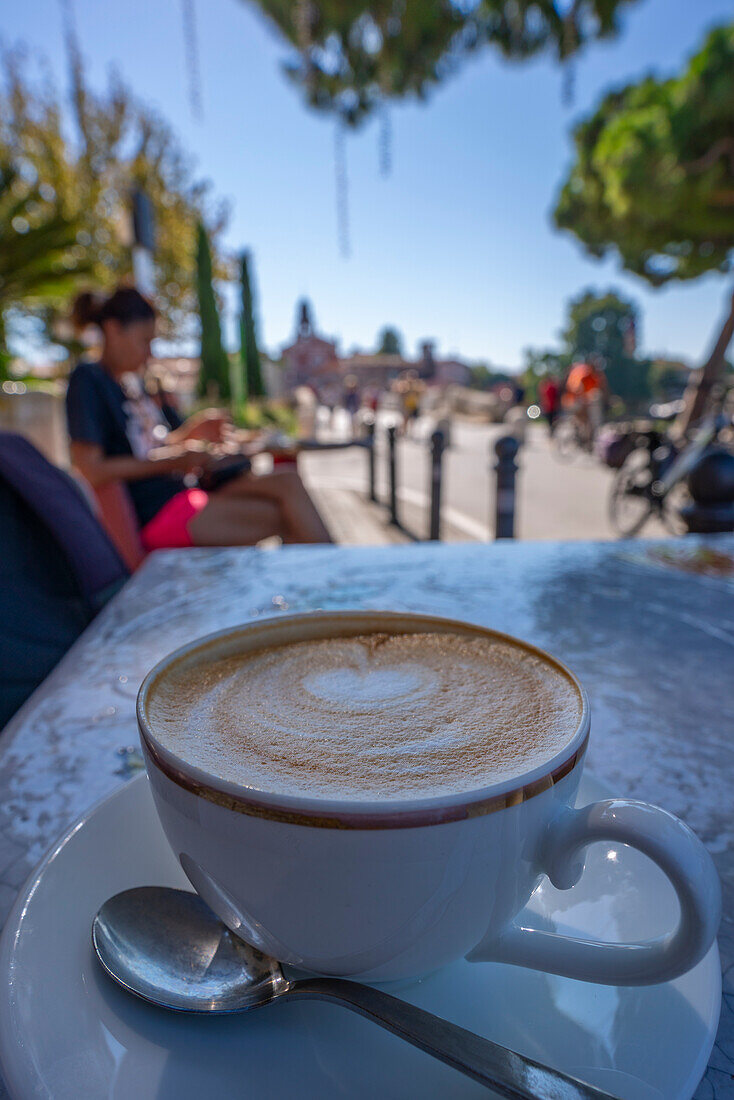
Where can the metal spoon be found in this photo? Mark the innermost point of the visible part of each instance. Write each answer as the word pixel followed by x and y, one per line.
pixel 167 947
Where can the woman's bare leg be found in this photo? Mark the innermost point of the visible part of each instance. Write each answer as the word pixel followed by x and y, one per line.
pixel 236 521
pixel 285 488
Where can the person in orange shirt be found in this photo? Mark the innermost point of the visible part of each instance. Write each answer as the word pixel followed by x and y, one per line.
pixel 585 394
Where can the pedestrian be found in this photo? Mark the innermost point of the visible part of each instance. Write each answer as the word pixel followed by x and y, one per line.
pixel 351 399
pixel 585 396
pixel 549 398
pixel 372 400
pixel 412 394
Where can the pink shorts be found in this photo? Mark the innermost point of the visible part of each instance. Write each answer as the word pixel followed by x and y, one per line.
pixel 169 528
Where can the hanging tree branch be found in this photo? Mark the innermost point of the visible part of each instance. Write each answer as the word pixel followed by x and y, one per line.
pixel 353 55
pixel 191 43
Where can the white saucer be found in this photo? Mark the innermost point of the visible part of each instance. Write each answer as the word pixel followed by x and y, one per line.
pixel 66 1031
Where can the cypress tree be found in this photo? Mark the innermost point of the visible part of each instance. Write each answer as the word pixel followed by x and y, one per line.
pixel 214 361
pixel 237 381
pixel 249 353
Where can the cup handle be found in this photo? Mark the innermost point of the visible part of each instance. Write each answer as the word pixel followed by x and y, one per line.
pixel 672 846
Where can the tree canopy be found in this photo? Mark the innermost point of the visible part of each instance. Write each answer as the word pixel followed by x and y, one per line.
pixel 484 376
pixel 117 144
pixel 653 179
pixel 389 341
pixel 653 183
pixel 604 325
pixel 607 326
pixel 40 263
pixel 654 174
pixel 541 363
pixel 353 55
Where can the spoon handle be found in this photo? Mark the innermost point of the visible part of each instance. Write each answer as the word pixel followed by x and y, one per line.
pixel 511 1075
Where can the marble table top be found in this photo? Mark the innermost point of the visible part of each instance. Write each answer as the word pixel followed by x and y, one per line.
pixel 652 642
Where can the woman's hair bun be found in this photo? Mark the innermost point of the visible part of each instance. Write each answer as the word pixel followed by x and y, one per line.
pixel 87 309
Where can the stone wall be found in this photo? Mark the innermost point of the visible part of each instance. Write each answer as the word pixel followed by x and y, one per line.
pixel 39 416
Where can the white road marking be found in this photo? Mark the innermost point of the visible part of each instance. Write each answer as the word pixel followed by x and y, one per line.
pixel 468 526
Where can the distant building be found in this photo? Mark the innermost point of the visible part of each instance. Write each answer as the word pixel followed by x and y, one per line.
pixel 374 370
pixel 311 360
pixel 452 372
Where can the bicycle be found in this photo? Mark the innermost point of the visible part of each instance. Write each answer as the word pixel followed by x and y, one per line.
pixel 571 434
pixel 651 480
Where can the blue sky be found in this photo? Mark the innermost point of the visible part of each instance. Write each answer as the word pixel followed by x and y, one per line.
pixel 456 243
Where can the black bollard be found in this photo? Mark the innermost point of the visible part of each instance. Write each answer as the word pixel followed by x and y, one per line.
pixel 438 442
pixel 371 460
pixel 392 476
pixel 505 448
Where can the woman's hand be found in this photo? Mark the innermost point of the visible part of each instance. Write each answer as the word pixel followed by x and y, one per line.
pixel 193 456
pixel 99 469
pixel 210 425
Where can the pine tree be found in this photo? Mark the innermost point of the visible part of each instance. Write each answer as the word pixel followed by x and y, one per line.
pixel 653 183
pixel 356 56
pixel 214 372
pixel 249 354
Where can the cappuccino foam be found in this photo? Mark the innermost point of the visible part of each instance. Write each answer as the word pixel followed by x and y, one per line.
pixel 373 717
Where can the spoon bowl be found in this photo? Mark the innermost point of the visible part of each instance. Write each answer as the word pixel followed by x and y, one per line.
pixel 167 947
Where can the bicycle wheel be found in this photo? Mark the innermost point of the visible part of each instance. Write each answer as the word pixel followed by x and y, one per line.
pixel 565 439
pixel 674 500
pixel 630 498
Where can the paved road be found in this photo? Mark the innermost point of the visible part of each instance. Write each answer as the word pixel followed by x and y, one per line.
pixel 555 500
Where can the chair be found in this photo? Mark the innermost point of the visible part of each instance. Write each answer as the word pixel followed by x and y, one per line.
pixel 59 568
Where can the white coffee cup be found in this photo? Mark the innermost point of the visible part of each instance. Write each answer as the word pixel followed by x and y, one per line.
pixel 387 890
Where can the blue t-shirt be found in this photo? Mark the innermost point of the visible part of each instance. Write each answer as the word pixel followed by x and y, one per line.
pixel 122 419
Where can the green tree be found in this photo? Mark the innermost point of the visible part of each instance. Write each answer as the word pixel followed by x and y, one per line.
pixel 653 182
pixel 116 144
pixel 484 376
pixel 214 374
pixel 389 341
pixel 481 377
pixel 667 378
pixel 539 363
pixel 249 353
pixel 607 325
pixel 39 262
pixel 352 55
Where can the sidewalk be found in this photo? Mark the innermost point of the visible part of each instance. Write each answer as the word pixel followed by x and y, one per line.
pixel 355 521
pixel 338 483
pixel 351 519
pixel 341 498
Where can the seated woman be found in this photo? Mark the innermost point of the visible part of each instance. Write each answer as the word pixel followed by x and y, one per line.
pixel 119 433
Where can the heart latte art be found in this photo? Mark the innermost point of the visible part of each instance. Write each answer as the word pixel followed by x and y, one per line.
pixel 373 717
